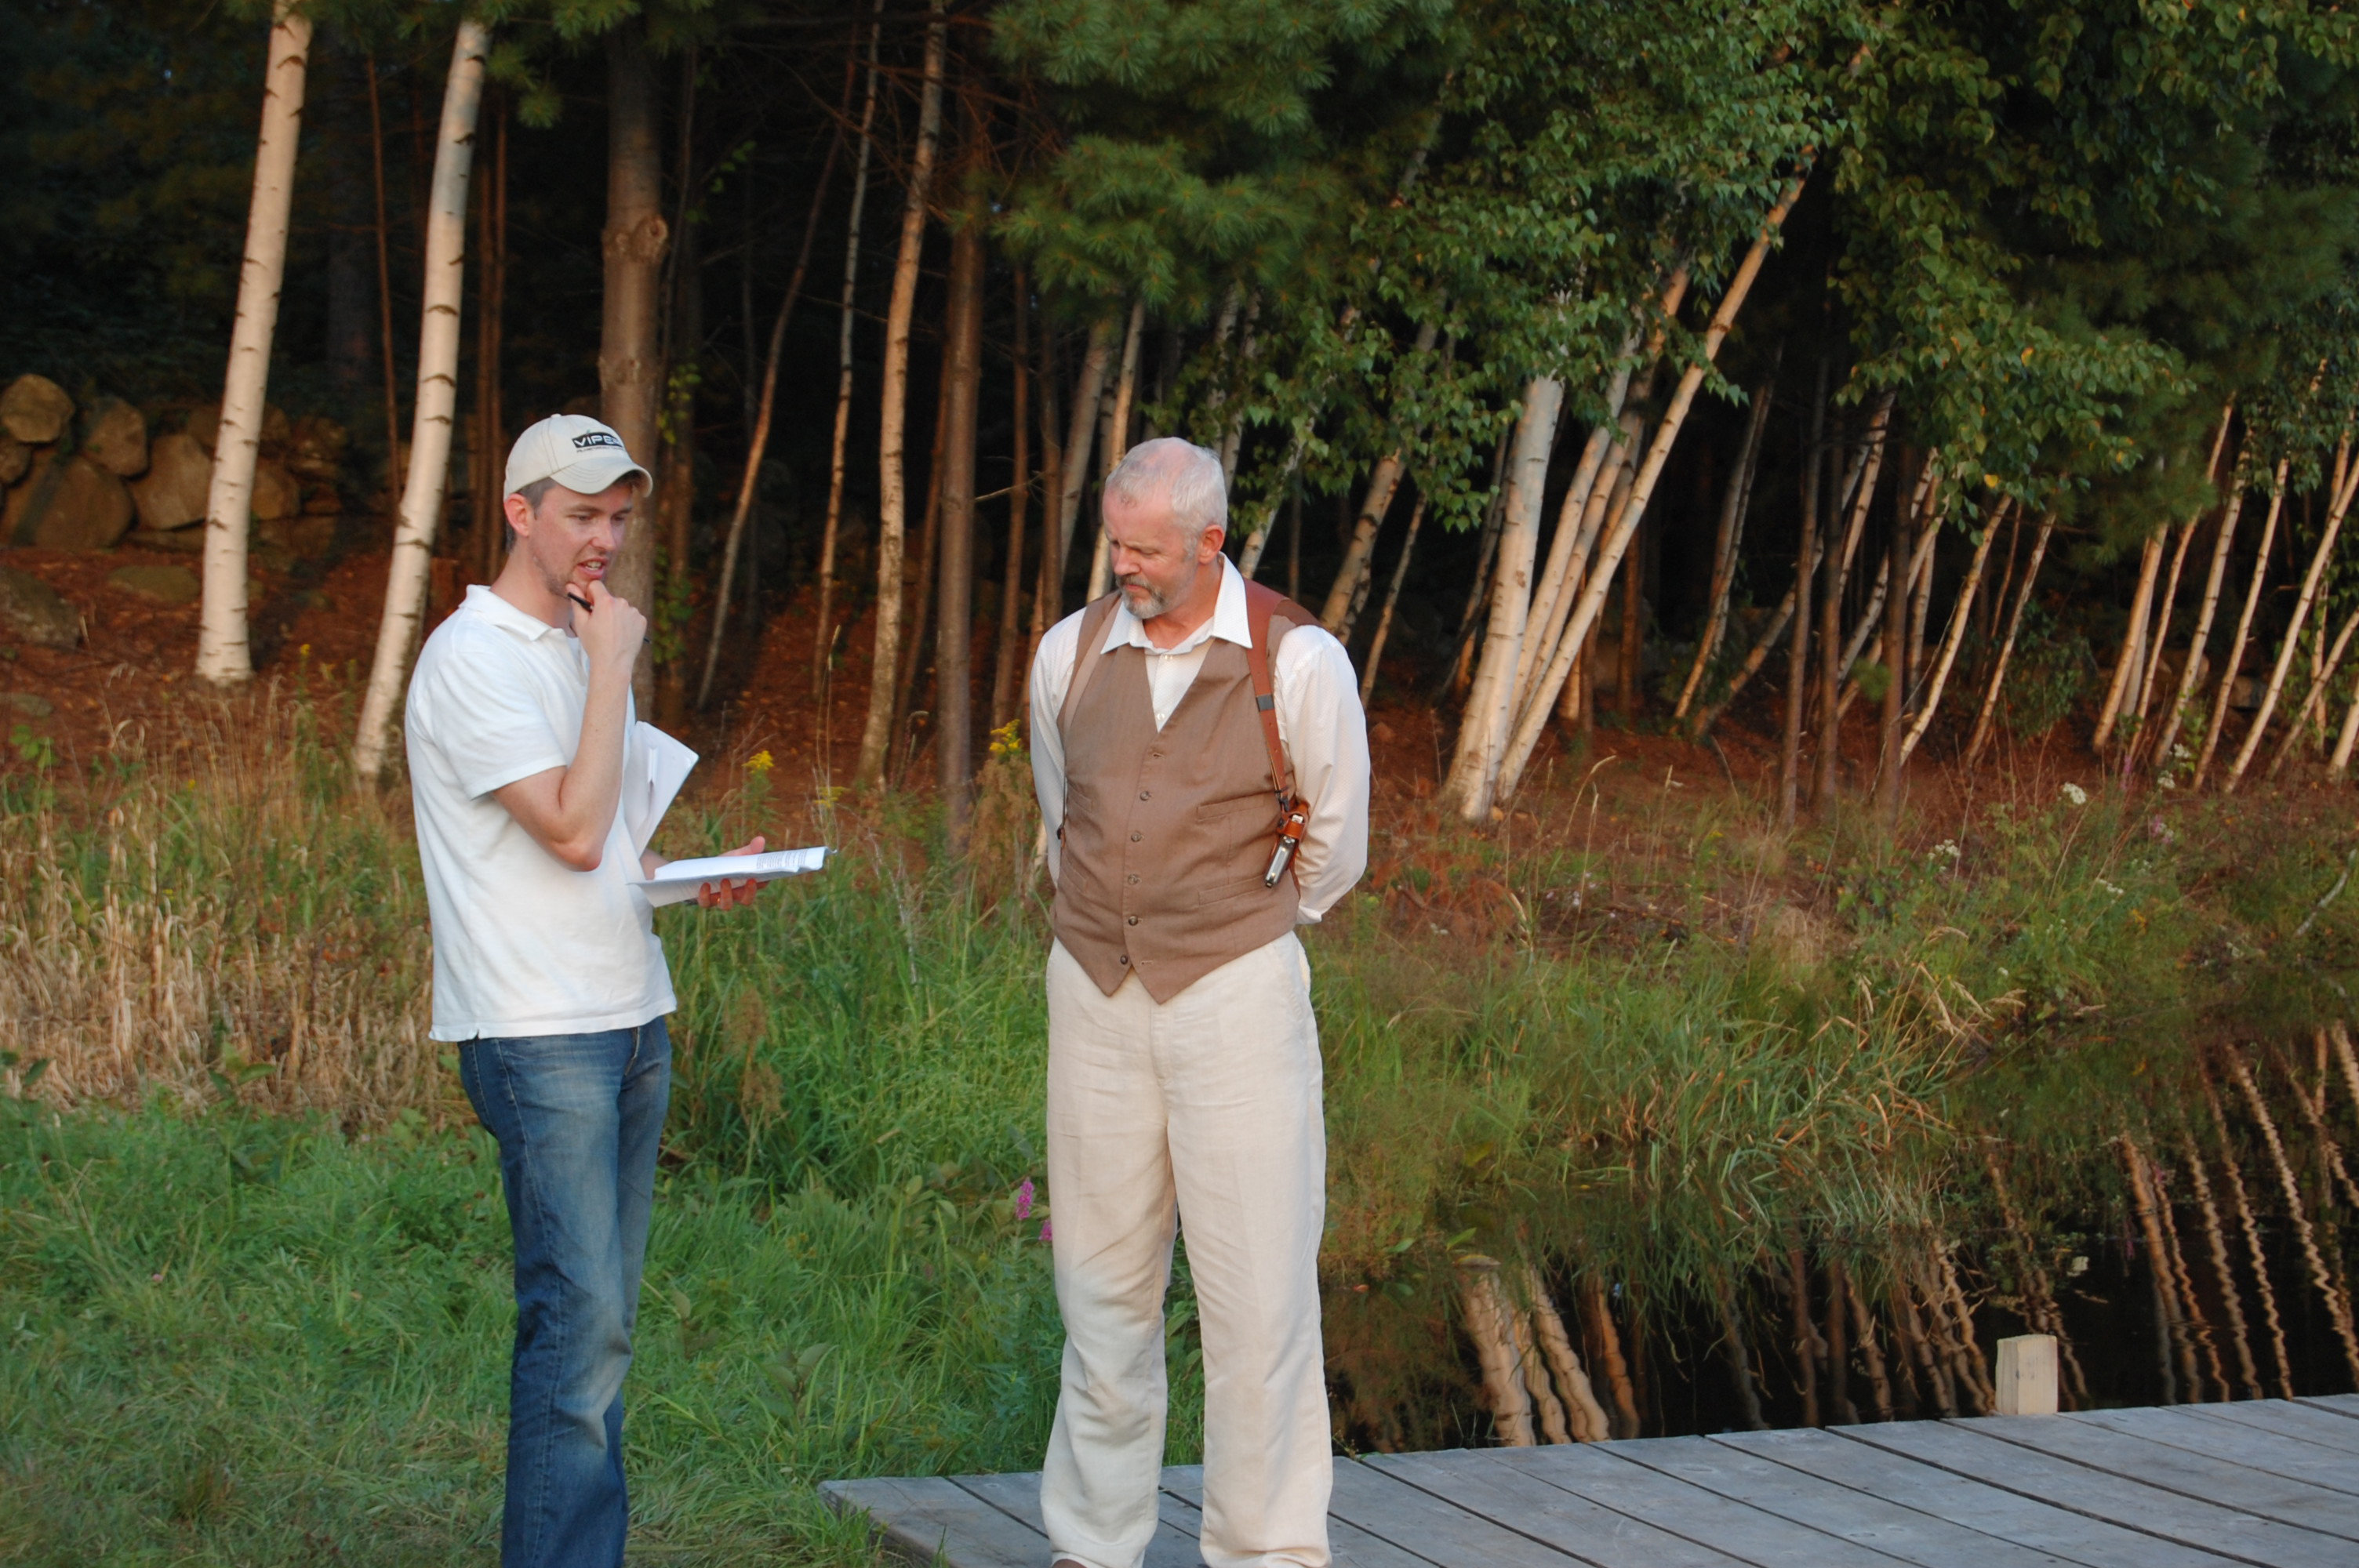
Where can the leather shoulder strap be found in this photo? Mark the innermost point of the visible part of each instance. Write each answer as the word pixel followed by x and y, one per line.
pixel 1085 662
pixel 1263 605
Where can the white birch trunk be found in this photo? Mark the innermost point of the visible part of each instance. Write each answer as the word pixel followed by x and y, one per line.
pixel 2156 642
pixel 1733 508
pixel 1602 458
pixel 1559 587
pixel 2319 557
pixel 1079 432
pixel 1483 733
pixel 438 390
pixel 2227 687
pixel 1956 637
pixel 2192 670
pixel 1117 443
pixel 1392 599
pixel 2315 705
pixel 2133 645
pixel 2340 763
pixel 1249 558
pixel 1989 712
pixel 892 489
pixel 1359 556
pixel 1617 537
pixel 1920 572
pixel 224 657
pixel 823 636
pixel 2158 631
pixel 1771 635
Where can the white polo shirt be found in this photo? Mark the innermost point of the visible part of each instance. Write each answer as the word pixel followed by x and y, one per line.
pixel 523 944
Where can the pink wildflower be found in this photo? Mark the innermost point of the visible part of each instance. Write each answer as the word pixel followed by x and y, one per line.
pixel 1024 1199
pixel 1045 1233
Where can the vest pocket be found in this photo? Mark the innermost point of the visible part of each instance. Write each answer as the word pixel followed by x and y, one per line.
pixel 1221 893
pixel 1212 811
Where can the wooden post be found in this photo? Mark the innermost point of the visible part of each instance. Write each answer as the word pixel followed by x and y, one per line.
pixel 2026 1375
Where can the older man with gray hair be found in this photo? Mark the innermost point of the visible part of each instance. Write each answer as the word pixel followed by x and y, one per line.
pixel 1199 751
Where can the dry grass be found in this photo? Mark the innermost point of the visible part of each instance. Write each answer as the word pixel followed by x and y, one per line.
pixel 213 908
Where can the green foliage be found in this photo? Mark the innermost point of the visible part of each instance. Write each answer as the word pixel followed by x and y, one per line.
pixel 128 132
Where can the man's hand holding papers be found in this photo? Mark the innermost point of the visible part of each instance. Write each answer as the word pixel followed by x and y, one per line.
pixel 723 882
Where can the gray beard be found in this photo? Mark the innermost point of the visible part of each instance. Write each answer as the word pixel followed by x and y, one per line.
pixel 1156 603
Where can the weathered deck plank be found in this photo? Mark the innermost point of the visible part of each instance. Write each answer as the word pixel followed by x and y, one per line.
pixel 1892 1529
pixel 2288 1418
pixel 2231 1533
pixel 1391 1509
pixel 2266 1484
pixel 2202 1476
pixel 1743 1531
pixel 1550 1515
pixel 1019 1497
pixel 1877 1472
pixel 2254 1446
pixel 924 1515
pixel 1352 1547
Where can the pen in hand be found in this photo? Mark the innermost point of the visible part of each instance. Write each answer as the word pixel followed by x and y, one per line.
pixel 577 599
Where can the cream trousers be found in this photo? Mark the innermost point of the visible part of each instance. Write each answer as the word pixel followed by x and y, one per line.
pixel 1205 1110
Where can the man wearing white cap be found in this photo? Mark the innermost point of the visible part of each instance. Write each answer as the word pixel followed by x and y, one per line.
pixel 548 974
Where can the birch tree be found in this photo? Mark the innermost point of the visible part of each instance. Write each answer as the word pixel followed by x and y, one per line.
pixel 823 635
pixel 223 655
pixel 891 504
pixel 435 403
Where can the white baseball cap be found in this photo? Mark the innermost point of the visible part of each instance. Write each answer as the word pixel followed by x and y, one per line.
pixel 577 452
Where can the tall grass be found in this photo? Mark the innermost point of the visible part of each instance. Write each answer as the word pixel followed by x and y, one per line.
pixel 1649 1045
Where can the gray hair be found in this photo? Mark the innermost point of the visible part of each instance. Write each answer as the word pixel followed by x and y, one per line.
pixel 1184 474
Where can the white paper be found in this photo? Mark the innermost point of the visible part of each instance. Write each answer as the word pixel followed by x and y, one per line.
pixel 677 880
pixel 654 767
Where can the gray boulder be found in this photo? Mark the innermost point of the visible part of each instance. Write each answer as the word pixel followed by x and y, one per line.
pixel 68 504
pixel 275 494
pixel 114 434
pixel 32 612
pixel 35 409
pixel 179 480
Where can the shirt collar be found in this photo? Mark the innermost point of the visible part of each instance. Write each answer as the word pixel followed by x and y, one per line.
pixel 1229 621
pixel 481 601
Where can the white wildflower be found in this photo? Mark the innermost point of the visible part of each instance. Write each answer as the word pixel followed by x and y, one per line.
pixel 2076 794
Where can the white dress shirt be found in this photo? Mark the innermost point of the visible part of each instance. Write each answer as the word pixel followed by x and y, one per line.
pixel 1319 722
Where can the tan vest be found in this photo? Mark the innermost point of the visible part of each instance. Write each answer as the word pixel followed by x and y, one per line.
pixel 1167 832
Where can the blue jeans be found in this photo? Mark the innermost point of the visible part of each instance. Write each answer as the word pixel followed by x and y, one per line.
pixel 578 1119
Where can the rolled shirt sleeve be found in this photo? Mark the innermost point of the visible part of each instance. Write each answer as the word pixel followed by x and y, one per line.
pixel 1326 736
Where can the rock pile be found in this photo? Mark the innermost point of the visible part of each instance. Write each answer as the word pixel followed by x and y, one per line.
pixel 79 479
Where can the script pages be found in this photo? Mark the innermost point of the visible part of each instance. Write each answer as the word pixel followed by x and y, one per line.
pixel 654 767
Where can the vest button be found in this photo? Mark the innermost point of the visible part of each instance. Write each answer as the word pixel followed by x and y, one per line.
pixel 1124 958
pixel 1132 879
pixel 1145 793
pixel 1131 920
pixel 1136 837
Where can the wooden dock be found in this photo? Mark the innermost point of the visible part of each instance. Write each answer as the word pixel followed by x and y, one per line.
pixel 2271 1483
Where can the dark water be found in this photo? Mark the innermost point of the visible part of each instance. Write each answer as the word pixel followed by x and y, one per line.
pixel 2245 1296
